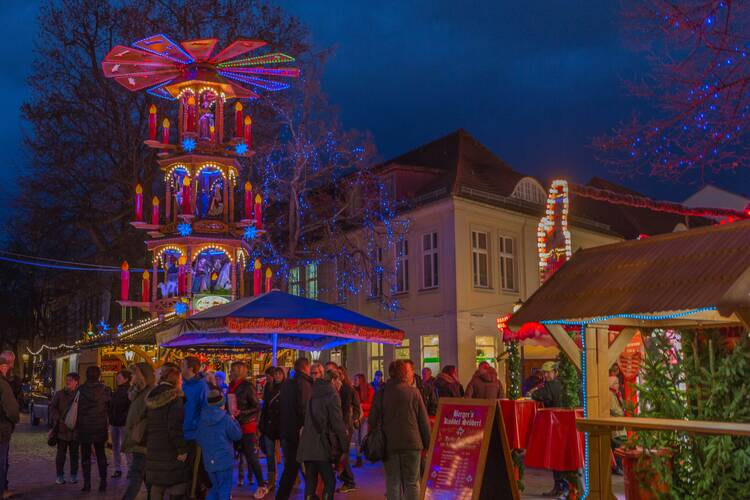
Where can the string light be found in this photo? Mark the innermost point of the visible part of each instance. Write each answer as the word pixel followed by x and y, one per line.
pixel 158 254
pixel 49 348
pixel 214 246
pixel 557 191
pixel 275 58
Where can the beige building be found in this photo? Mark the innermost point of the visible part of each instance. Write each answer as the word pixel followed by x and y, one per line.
pixel 469 255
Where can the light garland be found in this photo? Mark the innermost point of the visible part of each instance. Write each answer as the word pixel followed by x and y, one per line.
pixel 558 189
pixel 185 90
pixel 160 253
pixel 49 348
pixel 213 246
pixel 171 169
pixel 241 257
pixel 275 58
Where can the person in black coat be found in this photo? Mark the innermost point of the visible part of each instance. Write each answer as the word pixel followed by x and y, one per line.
pixel 166 448
pixel 447 384
pixel 118 412
pixel 66 438
pixel 270 417
pixel 350 410
pixel 92 425
pixel 295 393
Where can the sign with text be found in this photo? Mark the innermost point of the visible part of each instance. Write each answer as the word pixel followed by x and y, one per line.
pixel 469 456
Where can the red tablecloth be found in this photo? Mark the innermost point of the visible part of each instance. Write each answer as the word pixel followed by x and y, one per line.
pixel 518 415
pixel 555 443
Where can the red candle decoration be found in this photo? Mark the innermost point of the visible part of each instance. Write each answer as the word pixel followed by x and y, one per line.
pixel 181 275
pixel 145 288
pixel 248 131
pixel 152 122
pixel 212 129
pixel 186 206
pixel 256 278
pixel 124 281
pixel 258 212
pixel 155 211
pixel 138 203
pixel 248 200
pixel 191 114
pixel 238 120
pixel 165 131
pixel 269 277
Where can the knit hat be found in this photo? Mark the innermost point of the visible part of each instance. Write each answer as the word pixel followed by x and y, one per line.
pixel 549 366
pixel 215 397
pixel 147 371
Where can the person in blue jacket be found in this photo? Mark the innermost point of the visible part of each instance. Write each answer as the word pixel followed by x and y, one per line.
pixel 196 390
pixel 217 430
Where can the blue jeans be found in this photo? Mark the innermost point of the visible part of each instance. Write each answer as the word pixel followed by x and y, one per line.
pixel 402 475
pixel 4 449
pixel 269 446
pixel 221 485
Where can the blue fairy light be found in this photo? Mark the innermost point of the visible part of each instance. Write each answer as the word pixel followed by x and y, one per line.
pixel 250 233
pixel 188 144
pixel 240 148
pixel 181 308
pixel 184 229
pixel 103 326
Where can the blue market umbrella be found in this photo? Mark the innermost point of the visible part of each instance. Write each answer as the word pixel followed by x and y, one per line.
pixel 277 319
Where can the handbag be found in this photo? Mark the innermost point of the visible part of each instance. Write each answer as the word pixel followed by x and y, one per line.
pixel 328 438
pixel 71 416
pixel 52 437
pixel 375 443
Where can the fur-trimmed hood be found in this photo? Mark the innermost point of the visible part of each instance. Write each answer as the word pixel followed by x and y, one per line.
pixel 162 395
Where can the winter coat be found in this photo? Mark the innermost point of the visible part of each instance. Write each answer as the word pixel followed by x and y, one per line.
pixel 118 409
pixel 295 393
pixel 57 410
pixel 216 434
pixel 429 397
pixel 324 408
pixel 247 404
pixel 349 405
pixel 405 421
pixel 366 402
pixel 270 415
pixel 196 397
pixel 448 387
pixel 10 411
pixel 93 408
pixel 136 418
pixel 485 385
pixel 550 394
pixel 164 436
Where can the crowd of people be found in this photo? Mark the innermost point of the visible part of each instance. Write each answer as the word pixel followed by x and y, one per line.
pixel 180 430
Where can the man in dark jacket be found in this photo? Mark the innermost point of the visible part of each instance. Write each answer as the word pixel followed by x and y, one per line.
pixel 295 393
pixel 91 425
pixel 118 412
pixel 550 395
pixel 270 417
pixel 427 392
pixel 407 430
pixel 166 448
pixel 66 439
pixel 447 384
pixel 247 412
pixel 8 420
pixel 485 384
pixel 135 427
pixel 195 389
pixel 350 409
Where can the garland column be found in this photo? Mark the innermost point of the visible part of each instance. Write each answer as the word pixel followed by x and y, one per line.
pixel 597 405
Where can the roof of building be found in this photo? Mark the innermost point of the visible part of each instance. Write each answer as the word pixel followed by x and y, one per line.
pixel 458 164
pixel 686 270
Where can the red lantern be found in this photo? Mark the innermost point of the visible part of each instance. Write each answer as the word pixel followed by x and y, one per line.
pixel 155 211
pixel 248 132
pixel 138 203
pixel 258 213
pixel 256 278
pixel 269 277
pixel 152 122
pixel 145 288
pixel 186 205
pixel 238 120
pixel 248 200
pixel 165 131
pixel 124 281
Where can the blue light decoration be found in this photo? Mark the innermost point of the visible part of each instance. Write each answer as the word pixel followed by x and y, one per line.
pixel 181 308
pixel 241 148
pixel 119 328
pixel 600 319
pixel 184 229
pixel 103 327
pixel 250 233
pixel 188 144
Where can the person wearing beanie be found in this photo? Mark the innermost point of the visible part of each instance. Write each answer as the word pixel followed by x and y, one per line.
pixel 216 433
pixel 135 427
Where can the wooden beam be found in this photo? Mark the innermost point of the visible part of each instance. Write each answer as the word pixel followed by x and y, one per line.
pixel 593 424
pixel 567 344
pixel 619 344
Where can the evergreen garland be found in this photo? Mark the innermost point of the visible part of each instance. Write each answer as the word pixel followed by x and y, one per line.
pixel 514 369
pixel 571 381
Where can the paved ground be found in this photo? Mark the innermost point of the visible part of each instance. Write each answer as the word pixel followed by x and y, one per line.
pixel 32 474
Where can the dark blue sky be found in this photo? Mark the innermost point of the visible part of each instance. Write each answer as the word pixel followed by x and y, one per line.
pixel 534 81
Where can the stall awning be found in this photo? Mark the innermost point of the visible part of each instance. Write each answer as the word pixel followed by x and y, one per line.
pixel 671 274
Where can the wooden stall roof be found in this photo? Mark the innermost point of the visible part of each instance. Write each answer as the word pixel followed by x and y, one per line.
pixel 682 271
pixel 133 336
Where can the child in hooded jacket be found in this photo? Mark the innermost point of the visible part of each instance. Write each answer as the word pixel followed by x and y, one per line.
pixel 217 431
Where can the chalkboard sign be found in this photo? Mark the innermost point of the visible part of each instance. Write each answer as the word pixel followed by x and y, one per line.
pixel 469 456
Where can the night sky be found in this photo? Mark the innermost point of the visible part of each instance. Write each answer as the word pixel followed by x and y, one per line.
pixel 532 81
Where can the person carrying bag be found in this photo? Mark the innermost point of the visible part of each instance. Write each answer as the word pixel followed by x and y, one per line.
pixel 374 446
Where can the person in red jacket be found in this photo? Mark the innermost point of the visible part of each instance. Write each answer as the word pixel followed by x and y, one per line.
pixel 366 393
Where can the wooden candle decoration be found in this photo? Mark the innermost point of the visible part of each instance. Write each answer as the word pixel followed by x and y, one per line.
pixel 152 122
pixel 238 120
pixel 155 211
pixel 181 275
pixel 212 129
pixel 186 206
pixel 165 131
pixel 248 200
pixel 256 278
pixel 138 203
pixel 258 212
pixel 124 281
pixel 191 114
pixel 248 132
pixel 269 277
pixel 145 288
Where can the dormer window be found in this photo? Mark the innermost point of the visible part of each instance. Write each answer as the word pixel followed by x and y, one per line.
pixel 529 190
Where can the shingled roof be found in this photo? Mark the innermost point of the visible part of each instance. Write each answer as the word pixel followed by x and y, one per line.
pixel 705 267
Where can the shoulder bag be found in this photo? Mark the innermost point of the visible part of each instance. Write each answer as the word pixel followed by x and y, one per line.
pixel 71 416
pixel 328 438
pixel 375 442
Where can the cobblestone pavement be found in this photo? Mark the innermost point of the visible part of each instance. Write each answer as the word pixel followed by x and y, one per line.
pixel 32 475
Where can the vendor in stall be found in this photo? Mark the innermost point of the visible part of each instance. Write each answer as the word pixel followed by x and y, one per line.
pixel 550 395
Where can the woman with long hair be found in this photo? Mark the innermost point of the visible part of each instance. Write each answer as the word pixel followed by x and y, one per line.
pixel 365 392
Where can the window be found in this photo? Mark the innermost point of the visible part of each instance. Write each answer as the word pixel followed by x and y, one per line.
pixel 507 252
pixel 311 281
pixel 402 266
pixel 430 260
pixel 480 258
pixel 529 190
pixel 376 359
pixel 376 280
pixel 486 350
pixel 402 351
pixel 336 356
pixel 431 352
pixel 295 284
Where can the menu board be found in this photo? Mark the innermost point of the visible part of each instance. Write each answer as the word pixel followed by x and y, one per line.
pixel 469 457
